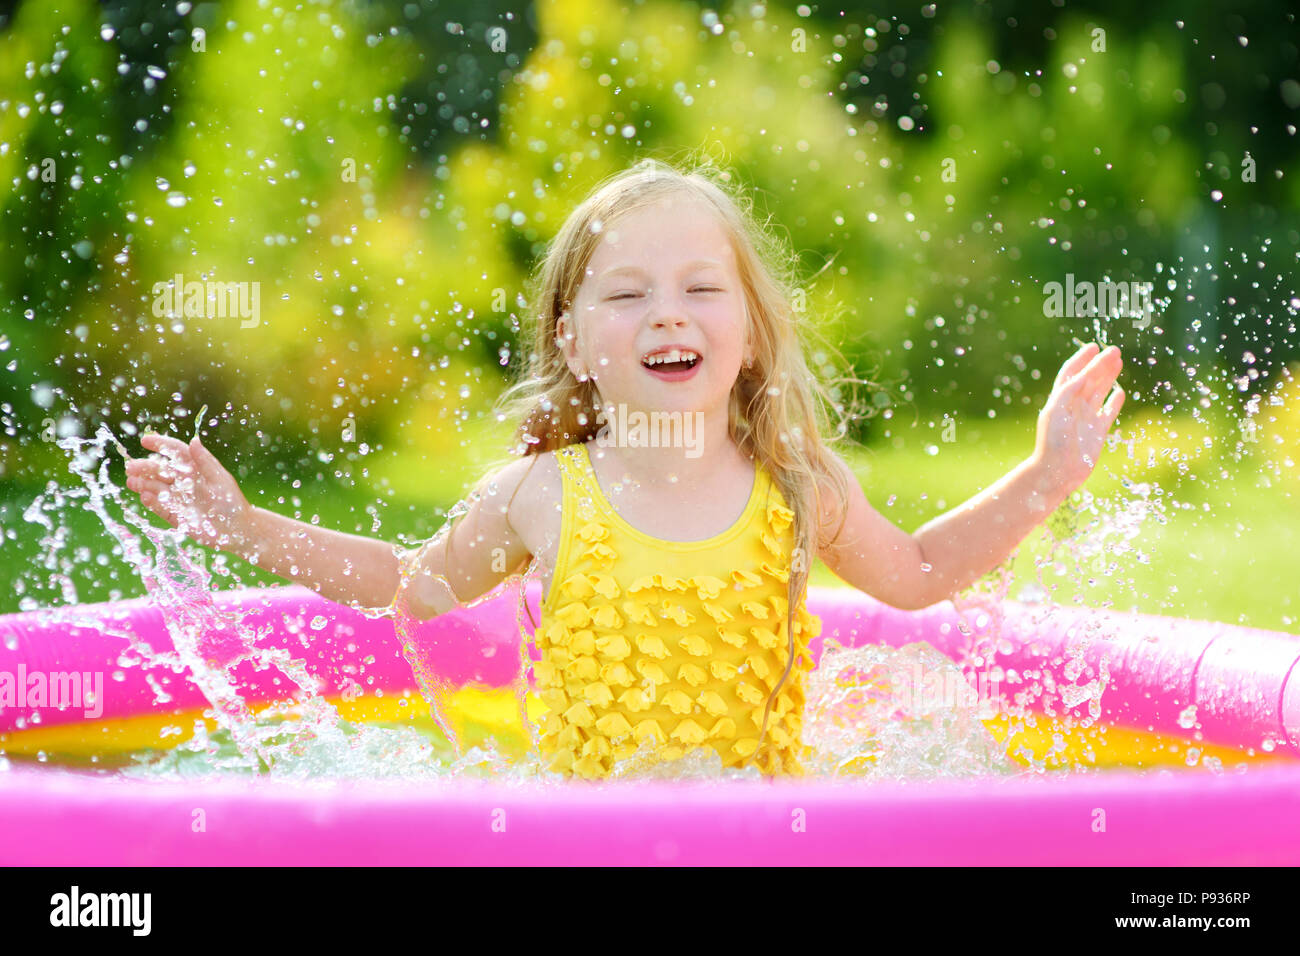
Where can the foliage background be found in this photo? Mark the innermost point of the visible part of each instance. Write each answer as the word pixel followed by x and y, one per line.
pixel 393 301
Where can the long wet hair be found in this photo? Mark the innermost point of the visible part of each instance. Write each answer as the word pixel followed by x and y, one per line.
pixel 779 409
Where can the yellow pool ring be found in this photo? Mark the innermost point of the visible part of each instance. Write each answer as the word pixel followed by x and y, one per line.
pixel 480 714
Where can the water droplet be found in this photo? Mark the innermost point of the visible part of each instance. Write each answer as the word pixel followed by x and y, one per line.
pixel 43 394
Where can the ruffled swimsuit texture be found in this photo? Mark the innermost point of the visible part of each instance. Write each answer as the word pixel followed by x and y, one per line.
pixel 678 644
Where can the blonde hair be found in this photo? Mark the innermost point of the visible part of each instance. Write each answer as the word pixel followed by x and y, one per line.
pixel 778 407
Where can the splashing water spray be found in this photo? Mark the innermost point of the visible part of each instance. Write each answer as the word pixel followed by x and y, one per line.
pixel 303 735
pixel 871 711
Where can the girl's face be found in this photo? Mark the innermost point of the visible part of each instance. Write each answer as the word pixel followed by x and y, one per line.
pixel 659 320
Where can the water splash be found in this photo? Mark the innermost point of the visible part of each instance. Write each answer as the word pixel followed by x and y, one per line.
pixel 301 735
pixel 899 713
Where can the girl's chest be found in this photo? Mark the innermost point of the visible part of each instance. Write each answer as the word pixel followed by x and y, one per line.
pixel 651 517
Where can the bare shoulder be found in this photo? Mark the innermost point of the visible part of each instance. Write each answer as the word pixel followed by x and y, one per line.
pixel 836 493
pixel 530 493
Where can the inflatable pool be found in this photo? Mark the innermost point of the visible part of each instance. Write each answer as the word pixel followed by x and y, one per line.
pixel 1192 731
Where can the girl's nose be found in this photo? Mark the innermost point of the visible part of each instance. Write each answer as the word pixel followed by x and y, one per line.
pixel 667 319
pixel 667 312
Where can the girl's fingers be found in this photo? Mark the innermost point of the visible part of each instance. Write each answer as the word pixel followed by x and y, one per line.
pixel 1074 363
pixel 1072 392
pixel 1094 379
pixel 182 464
pixel 204 458
pixel 1108 357
pixel 163 443
pixel 1098 392
pixel 149 485
pixel 1102 373
pixel 173 454
pixel 1113 405
pixel 151 467
pixel 154 469
pixel 150 501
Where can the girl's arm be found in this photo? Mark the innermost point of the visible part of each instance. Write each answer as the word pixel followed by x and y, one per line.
pixel 482 548
pixel 186 486
pixel 951 552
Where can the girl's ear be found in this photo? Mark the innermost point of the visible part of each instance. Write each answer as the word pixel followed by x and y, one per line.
pixel 567 342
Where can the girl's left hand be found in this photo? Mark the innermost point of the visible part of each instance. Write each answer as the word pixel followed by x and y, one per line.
pixel 1074 422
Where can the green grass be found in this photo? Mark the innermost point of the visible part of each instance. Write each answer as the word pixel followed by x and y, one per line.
pixel 1225 549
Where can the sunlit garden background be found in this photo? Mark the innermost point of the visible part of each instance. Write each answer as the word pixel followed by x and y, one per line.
pixel 388 173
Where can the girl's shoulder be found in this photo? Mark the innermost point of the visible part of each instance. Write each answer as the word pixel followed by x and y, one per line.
pixel 532 491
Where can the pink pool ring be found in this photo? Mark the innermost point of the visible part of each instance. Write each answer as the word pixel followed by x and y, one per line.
pixel 1161 675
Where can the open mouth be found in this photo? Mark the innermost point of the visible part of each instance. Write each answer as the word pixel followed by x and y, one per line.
pixel 671 361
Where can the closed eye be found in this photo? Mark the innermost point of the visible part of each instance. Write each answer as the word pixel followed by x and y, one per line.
pixel 634 295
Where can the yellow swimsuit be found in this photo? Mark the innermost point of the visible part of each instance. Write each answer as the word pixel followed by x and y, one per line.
pixel 679 643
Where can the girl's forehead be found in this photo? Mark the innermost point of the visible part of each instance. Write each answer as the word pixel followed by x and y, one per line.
pixel 679 236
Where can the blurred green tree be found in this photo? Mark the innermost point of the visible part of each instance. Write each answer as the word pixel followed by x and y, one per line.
pixel 387 173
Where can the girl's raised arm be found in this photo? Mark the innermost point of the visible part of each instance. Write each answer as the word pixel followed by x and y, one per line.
pixel 186 486
pixel 868 551
pixel 954 550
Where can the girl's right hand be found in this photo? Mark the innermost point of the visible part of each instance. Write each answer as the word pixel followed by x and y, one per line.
pixel 189 489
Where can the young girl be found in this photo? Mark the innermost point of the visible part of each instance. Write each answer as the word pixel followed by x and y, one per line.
pixel 675 561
